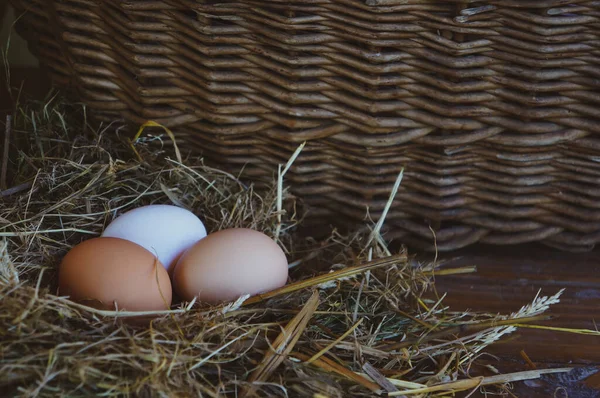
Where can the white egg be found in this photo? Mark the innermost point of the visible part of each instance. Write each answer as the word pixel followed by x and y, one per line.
pixel 164 230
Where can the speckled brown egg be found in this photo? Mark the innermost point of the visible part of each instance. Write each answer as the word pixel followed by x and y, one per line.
pixel 228 264
pixel 111 273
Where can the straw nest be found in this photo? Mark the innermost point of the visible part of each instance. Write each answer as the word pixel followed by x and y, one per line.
pixel 353 321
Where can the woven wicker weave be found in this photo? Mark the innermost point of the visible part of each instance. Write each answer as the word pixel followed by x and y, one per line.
pixel 491 106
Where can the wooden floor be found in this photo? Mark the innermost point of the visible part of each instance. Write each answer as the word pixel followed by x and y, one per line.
pixel 507 278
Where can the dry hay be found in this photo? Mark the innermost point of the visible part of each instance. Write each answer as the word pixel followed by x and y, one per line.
pixel 360 328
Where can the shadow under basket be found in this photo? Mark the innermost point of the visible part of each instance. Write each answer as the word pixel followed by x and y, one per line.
pixel 491 107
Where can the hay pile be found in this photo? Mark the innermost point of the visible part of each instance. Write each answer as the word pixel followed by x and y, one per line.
pixel 360 328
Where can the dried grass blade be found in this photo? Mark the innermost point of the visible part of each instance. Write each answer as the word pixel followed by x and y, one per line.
pixel 320 279
pixel 120 313
pixel 586 332
pixel 451 271
pixel 462 329
pixel 454 386
pixel 467 384
pixel 380 379
pixel 280 175
pixel 284 344
pixel 16 189
pixel 330 366
pixel 401 383
pixel 377 230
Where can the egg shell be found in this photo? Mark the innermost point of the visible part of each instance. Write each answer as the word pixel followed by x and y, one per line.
pixel 100 272
pixel 228 264
pixel 165 230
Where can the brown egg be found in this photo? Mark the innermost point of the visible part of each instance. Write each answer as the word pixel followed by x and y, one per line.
pixel 228 264
pixel 110 273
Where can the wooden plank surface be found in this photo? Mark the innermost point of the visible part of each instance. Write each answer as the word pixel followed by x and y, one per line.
pixel 508 278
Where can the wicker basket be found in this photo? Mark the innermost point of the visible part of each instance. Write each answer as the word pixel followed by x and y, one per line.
pixel 491 106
